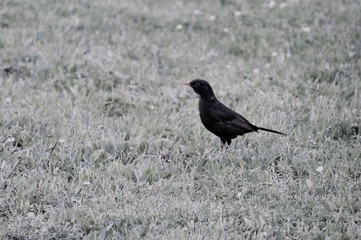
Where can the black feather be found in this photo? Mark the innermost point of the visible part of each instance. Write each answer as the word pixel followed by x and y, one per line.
pixel 219 119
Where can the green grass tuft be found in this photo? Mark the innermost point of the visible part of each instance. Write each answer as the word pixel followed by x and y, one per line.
pixel 100 141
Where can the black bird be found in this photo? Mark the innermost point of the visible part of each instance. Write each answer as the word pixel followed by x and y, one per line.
pixel 219 119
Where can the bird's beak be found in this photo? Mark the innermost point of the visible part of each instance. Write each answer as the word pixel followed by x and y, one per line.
pixel 184 83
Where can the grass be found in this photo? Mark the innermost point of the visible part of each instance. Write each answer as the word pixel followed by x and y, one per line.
pixel 99 139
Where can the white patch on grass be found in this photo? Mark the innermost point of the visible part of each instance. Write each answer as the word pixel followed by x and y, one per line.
pixel 309 183
pixel 226 30
pixel 197 12
pixel 306 29
pixel 179 27
pixel 271 4
pixel 237 13
pixel 319 169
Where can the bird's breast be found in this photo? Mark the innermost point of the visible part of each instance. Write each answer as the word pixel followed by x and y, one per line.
pixel 208 121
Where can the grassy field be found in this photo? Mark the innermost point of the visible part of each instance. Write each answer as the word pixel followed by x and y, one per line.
pixel 99 140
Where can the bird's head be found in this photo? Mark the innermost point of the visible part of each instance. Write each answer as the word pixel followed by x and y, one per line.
pixel 201 87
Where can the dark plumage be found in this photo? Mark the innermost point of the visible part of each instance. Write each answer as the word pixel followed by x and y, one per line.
pixel 219 119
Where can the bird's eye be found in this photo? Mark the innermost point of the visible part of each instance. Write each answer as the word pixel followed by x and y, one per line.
pixel 197 85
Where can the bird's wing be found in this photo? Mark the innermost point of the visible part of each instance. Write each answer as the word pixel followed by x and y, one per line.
pixel 229 117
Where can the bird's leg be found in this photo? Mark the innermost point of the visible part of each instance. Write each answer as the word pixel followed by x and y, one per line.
pixel 223 142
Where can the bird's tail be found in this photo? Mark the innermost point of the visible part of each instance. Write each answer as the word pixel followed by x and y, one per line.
pixel 270 130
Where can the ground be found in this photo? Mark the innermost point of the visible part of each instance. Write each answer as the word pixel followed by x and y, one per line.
pixel 99 140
